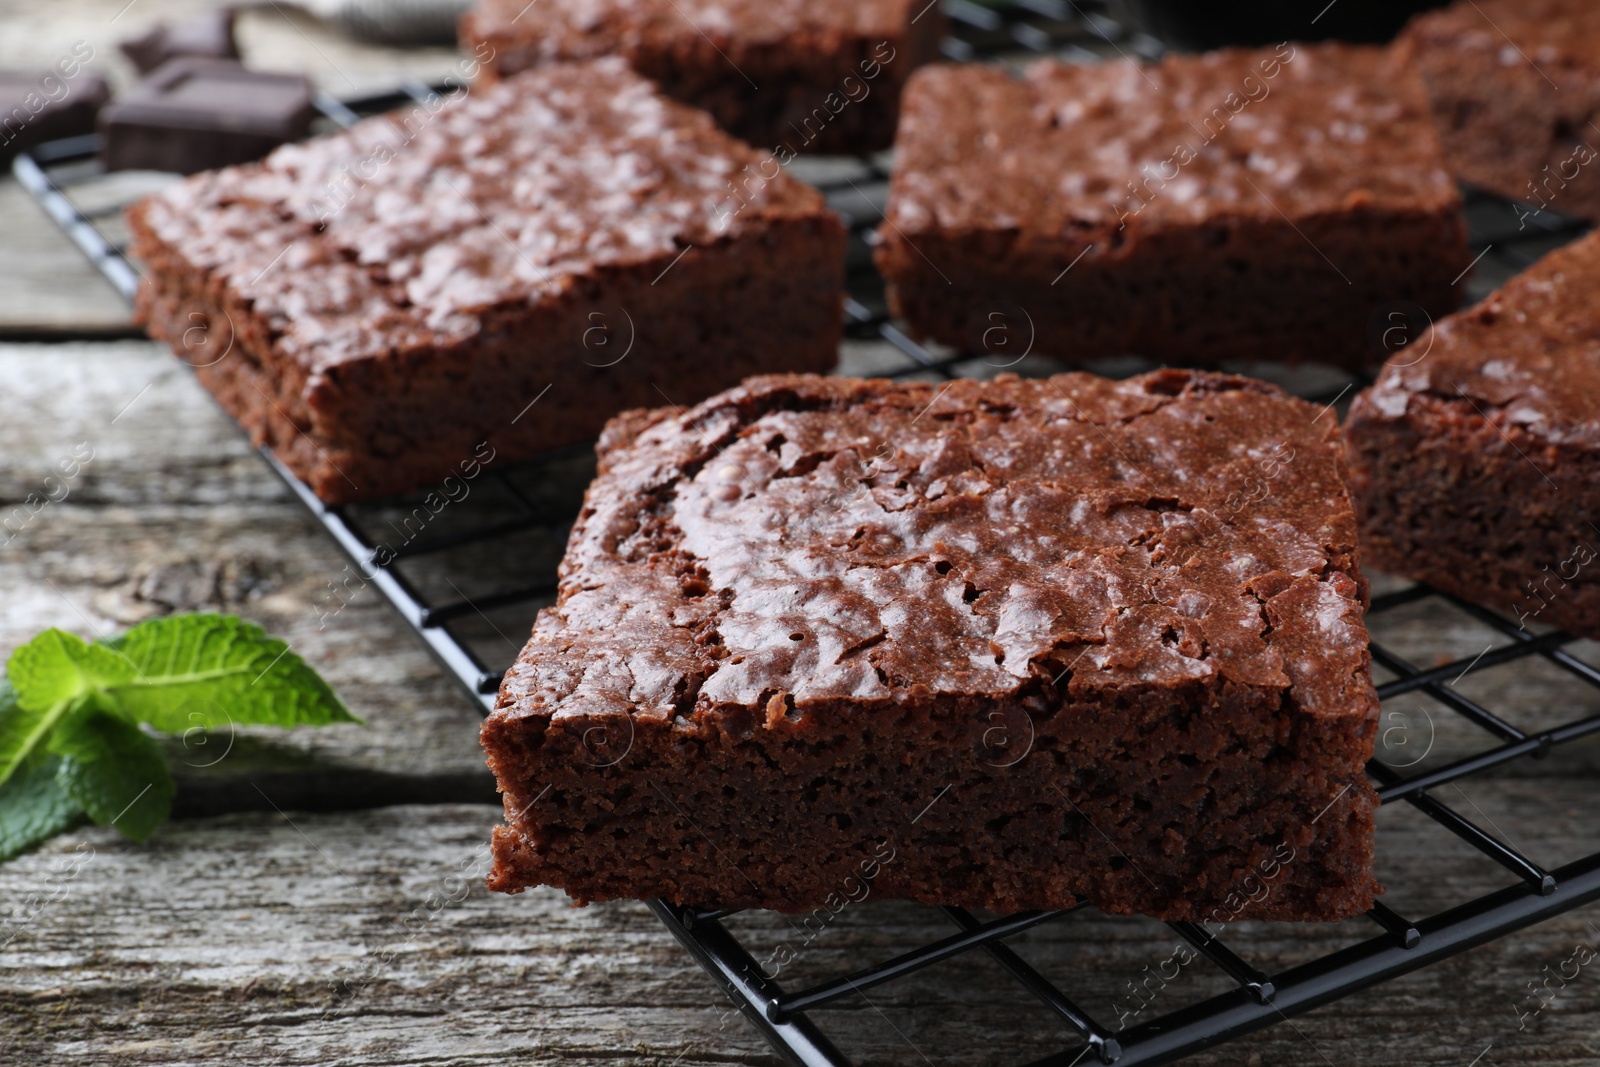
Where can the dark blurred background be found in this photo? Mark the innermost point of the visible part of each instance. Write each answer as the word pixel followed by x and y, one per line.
pixel 1196 25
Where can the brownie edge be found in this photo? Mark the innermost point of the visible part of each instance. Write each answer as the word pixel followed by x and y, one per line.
pixel 1514 86
pixel 1013 642
pixel 794 76
pixel 1475 466
pixel 383 303
pixel 1082 212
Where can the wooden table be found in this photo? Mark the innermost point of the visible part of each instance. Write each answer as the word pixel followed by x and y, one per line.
pixel 319 898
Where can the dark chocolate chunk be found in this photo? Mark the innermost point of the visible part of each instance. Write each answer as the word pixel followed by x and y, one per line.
pixel 207 35
pixel 39 106
pixel 197 114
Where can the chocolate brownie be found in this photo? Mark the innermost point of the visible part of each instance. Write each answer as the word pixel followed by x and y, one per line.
pixel 1515 89
pixel 1004 642
pixel 377 303
pixel 790 75
pixel 1228 206
pixel 1475 464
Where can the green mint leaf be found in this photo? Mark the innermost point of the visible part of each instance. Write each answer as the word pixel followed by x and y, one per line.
pixel 215 670
pixel 70 743
pixel 23 730
pixel 33 808
pixel 57 666
pixel 114 772
pixel 45 680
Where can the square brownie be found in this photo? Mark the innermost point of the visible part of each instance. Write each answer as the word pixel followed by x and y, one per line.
pixel 1515 88
pixel 377 304
pixel 1011 642
pixel 1475 465
pixel 1237 205
pixel 790 75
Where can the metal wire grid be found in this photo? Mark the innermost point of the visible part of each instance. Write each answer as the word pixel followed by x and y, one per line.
pixel 1506 239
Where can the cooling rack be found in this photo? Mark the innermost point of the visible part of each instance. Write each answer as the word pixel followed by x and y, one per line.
pixel 522 514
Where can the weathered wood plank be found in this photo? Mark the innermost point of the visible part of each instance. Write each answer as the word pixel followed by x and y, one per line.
pixel 46 285
pixel 155 503
pixel 367 938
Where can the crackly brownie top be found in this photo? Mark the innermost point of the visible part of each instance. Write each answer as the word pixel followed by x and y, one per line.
pixel 403 229
pixel 584 28
pixel 1529 355
pixel 802 540
pixel 1069 150
pixel 1517 32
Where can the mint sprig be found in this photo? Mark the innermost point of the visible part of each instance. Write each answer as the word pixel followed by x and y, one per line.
pixel 72 712
pixel 33 808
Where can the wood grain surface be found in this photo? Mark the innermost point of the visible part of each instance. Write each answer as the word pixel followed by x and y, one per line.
pixel 319 900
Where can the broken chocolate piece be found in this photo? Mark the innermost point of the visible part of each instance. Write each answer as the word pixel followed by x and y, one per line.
pixel 39 106
pixel 208 35
pixel 197 114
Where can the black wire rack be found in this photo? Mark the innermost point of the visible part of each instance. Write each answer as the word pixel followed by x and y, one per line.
pixel 504 543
